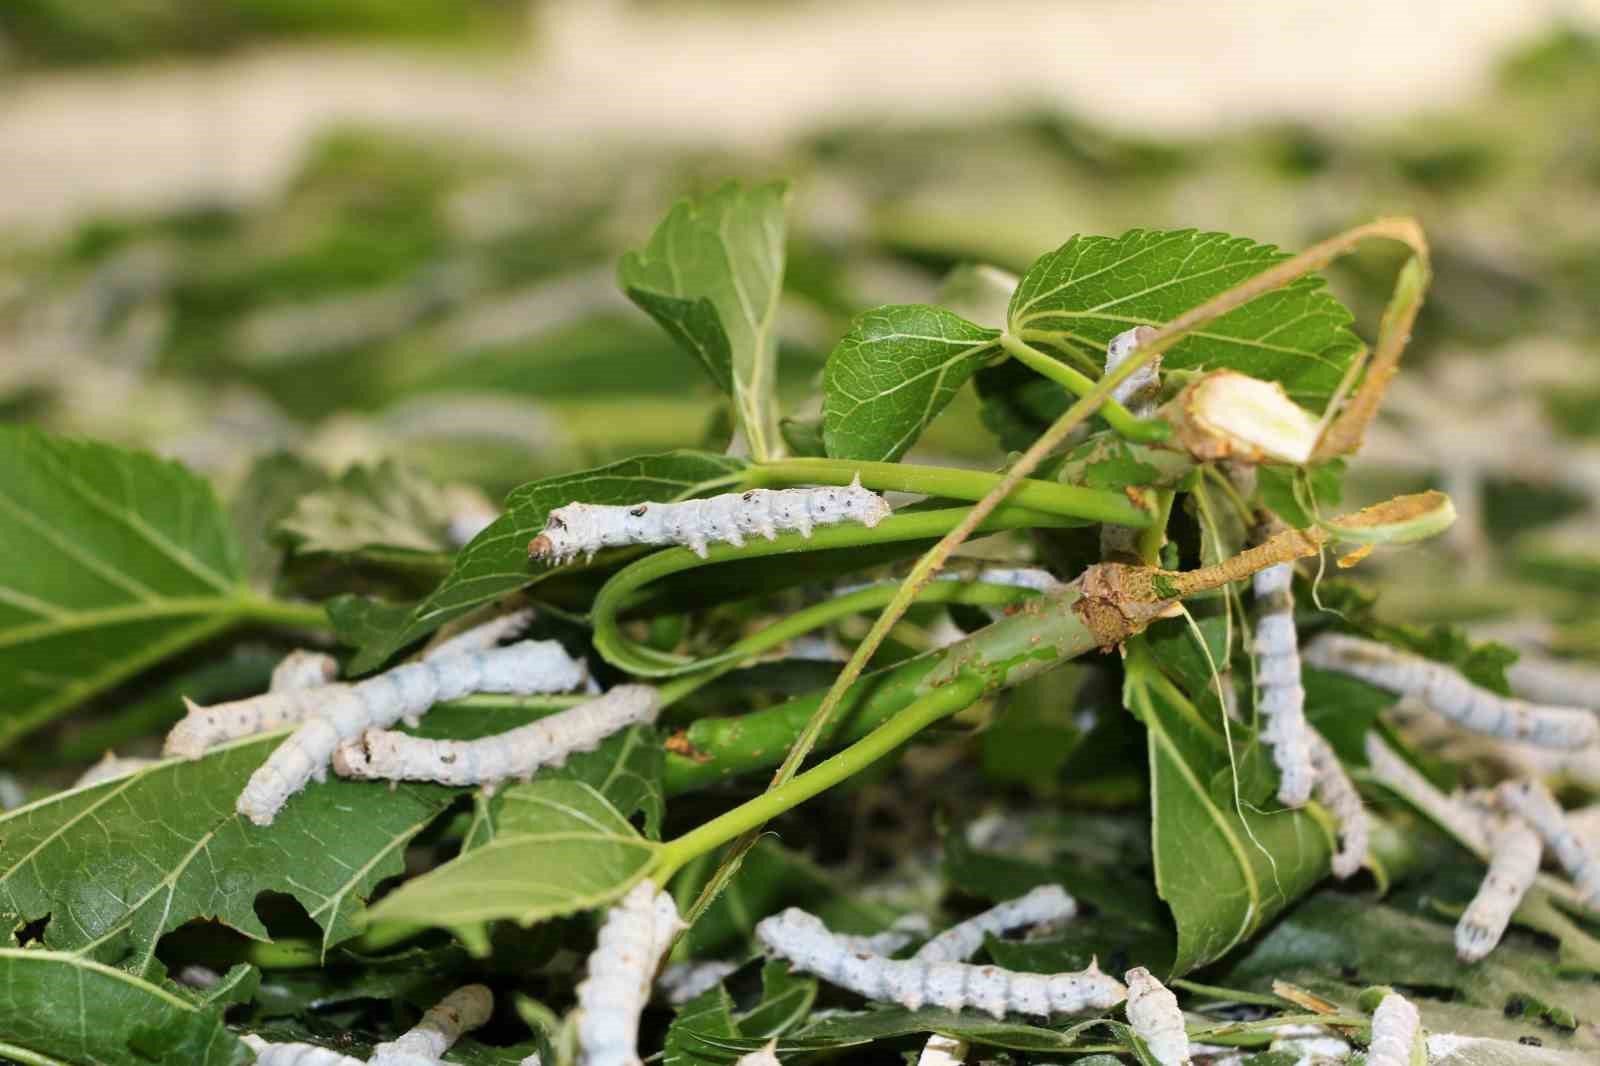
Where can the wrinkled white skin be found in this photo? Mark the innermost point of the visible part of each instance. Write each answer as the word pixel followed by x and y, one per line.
pixel 812 948
pixel 636 934
pixel 905 929
pixel 344 712
pixel 1283 698
pixel 303 668
pixel 270 1054
pixel 1533 803
pixel 380 754
pixel 1047 903
pixel 585 528
pixel 1513 864
pixel 1155 1018
pixel 1447 692
pixel 1335 791
pixel 1394 1032
pixel 462 1011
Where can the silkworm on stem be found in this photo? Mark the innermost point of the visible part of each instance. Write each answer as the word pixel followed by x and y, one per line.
pixel 1047 903
pixel 637 932
pixel 1395 1029
pixel 1534 804
pixel 585 528
pixel 1283 697
pixel 294 1054
pixel 810 947
pixel 1513 864
pixel 1447 692
pixel 1335 791
pixel 303 668
pixel 465 1009
pixel 1155 1018
pixel 379 754
pixel 112 766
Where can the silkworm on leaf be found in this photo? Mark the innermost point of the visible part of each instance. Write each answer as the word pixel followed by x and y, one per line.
pixel 636 933
pixel 941 1050
pixel 1047 903
pixel 1533 803
pixel 1447 692
pixel 111 766
pixel 1283 698
pixel 585 528
pixel 905 929
pixel 1154 1016
pixel 1335 791
pixel 303 668
pixel 483 636
pixel 379 754
pixel 465 1009
pixel 810 947
pixel 301 671
pixel 766 1056
pixel 342 713
pixel 1395 1029
pixel 271 1054
pixel 1513 864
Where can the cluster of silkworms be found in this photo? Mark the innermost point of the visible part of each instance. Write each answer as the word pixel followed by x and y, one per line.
pixel 425 1044
pixel 585 528
pixel 1154 1017
pixel 636 934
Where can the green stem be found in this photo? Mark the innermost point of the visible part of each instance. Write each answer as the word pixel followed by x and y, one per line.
pixel 1154 536
pixel 253 608
pixel 1116 416
pixel 942 702
pixel 285 953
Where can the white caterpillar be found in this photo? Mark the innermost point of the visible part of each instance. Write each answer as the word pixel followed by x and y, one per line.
pixel 1397 775
pixel 810 947
pixel 298 673
pixel 585 528
pixel 1533 803
pixel 270 1054
pixel 379 754
pixel 1155 1018
pixel 1311 1045
pixel 1547 680
pixel 303 668
pixel 112 766
pixel 1395 1028
pixel 1283 698
pixel 941 1050
pixel 1138 393
pixel 1047 903
pixel 1450 694
pixel 682 981
pixel 482 636
pixel 1337 792
pixel 905 929
pixel 636 933
pixel 766 1056
pixel 343 712
pixel 1513 864
pixel 441 1026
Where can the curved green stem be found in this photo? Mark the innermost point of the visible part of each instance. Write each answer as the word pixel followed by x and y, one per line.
pixel 1117 416
pixel 272 612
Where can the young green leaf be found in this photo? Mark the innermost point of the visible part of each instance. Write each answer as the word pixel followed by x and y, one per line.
pixel 895 370
pixel 711 276
pixel 114 561
pixel 380 507
pixel 1075 299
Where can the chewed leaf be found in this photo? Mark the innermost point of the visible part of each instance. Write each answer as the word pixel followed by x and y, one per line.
pixel 711 276
pixel 1078 297
pixel 895 370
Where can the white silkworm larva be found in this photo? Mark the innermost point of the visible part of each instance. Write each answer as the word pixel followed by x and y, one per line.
pixel 344 712
pixel 1397 775
pixel 1447 692
pixel 585 528
pixel 941 1050
pixel 271 1054
pixel 682 981
pixel 1138 391
pixel 1513 864
pixel 441 1026
pixel 379 754
pixel 905 929
pixel 636 933
pixel 1395 1028
pixel 1533 803
pixel 810 947
pixel 766 1056
pixel 1283 698
pixel 303 668
pixel 112 766
pixel 1154 1016
pixel 1335 791
pixel 1547 680
pixel 1047 903
pixel 1309 1044
pixel 483 636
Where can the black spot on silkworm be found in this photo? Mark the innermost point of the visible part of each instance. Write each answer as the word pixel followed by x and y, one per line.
pixel 556 523
pixel 1516 1006
pixel 747 497
pixel 638 512
pixel 448 758
pixel 1530 1041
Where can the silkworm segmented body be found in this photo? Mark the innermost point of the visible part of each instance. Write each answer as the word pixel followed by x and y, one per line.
pixel 1513 864
pixel 1450 694
pixel 1395 1028
pixel 1283 698
pixel 585 528
pixel 1047 903
pixel 299 672
pixel 111 766
pixel 904 930
pixel 303 668
pixel 483 636
pixel 636 933
pixel 343 712
pixel 1394 773
pixel 441 1026
pixel 1155 1018
pixel 380 754
pixel 1533 803
pixel 1335 791
pixel 271 1054
pixel 810 947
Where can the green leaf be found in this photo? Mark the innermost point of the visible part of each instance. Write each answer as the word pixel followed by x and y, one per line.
pixel 269 492
pixel 560 846
pixel 61 1008
pixel 704 1032
pixel 113 560
pixel 1078 297
pixel 1290 493
pixel 711 276
pixel 496 562
pixel 385 506
pixel 893 373
pixel 842 1029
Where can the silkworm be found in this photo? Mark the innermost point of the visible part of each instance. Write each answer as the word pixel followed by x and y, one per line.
pixel 1047 903
pixel 1395 1026
pixel 462 1011
pixel 382 755
pixel 1335 791
pixel 1307 1043
pixel 340 713
pixel 682 981
pixel 1447 692
pixel 1154 1016
pixel 298 673
pixel 271 1054
pixel 810 947
pixel 905 929
pixel 1283 698
pixel 1547 680
pixel 483 636
pixel 636 933
pixel 303 668
pixel 1533 803
pixel 1513 864
pixel 1397 775
pixel 766 1056
pixel 112 766
pixel 1138 391
pixel 941 1050
pixel 585 528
